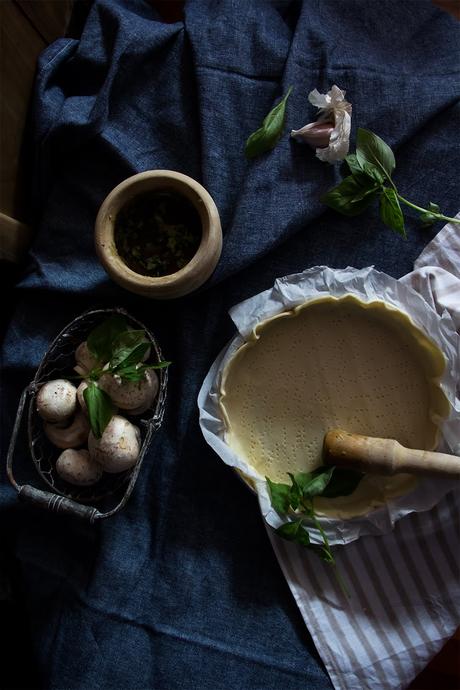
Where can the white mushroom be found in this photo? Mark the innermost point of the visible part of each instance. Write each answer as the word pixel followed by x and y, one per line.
pixel 56 400
pixel 150 397
pixel 81 400
pixel 142 408
pixel 131 395
pixel 76 467
pixel 71 436
pixel 118 448
pixel 85 359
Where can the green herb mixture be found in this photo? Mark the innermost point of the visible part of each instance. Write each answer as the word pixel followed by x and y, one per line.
pixel 157 233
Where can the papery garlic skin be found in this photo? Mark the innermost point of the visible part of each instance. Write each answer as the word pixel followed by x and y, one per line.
pixel 330 134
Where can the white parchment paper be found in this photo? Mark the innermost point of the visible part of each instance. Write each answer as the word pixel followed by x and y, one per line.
pixel 368 285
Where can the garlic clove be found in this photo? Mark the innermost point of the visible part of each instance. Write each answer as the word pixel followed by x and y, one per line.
pixel 316 134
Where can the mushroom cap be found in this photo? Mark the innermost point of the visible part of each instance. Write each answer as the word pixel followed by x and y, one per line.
pixel 129 395
pixel 76 467
pixel 149 399
pixel 71 436
pixel 118 448
pixel 81 400
pixel 85 359
pixel 56 400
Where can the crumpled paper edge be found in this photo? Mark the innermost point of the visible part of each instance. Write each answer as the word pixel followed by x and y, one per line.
pixel 368 285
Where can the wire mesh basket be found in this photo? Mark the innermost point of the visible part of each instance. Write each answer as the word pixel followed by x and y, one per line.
pixel 111 492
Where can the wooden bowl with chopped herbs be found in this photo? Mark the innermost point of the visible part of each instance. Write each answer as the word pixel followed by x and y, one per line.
pixel 158 234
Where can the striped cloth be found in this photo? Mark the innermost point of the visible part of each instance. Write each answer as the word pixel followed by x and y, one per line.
pixel 404 586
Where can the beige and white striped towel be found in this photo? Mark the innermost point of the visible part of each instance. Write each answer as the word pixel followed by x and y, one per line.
pixel 404 586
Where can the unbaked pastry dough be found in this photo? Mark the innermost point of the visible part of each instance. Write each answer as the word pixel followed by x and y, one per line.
pixel 332 362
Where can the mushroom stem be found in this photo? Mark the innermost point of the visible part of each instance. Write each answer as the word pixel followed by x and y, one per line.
pixel 71 436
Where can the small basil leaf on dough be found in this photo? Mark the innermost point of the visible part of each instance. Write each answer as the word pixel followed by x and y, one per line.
pixel 342 483
pixel 317 484
pixel 280 495
pixel 296 492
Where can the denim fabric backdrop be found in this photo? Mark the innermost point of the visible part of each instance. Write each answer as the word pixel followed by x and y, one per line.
pixel 181 590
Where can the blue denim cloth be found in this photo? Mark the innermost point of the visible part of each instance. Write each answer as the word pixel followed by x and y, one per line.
pixel 181 590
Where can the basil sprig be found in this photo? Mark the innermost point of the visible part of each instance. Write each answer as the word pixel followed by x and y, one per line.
pixel 295 500
pixel 120 352
pixel 268 135
pixel 371 169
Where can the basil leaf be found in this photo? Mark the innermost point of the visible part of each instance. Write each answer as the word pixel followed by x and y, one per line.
pixel 126 358
pixel 296 489
pixel 301 479
pixel 342 482
pixel 134 372
pixel 100 408
pixel 299 482
pixel 293 531
pixel 131 373
pixel 268 135
pixel 317 483
pixel 101 338
pixel 372 149
pixel 279 495
pixel 390 211
pixel 352 195
pixel 373 173
pixel 129 338
pixel 428 218
pixel 128 344
pixel 353 164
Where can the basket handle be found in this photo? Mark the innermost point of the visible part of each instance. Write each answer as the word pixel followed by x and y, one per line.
pixel 57 504
pixel 14 436
pixel 44 499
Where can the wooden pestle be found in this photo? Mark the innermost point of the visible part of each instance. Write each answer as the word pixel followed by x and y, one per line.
pixel 385 456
